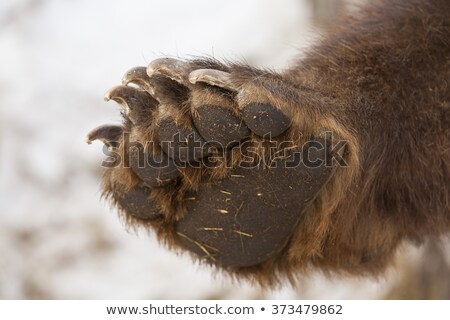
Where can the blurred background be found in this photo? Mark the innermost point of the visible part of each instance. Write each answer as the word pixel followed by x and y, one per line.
pixel 58 240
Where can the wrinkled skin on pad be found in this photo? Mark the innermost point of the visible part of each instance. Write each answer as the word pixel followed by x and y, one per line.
pixel 235 226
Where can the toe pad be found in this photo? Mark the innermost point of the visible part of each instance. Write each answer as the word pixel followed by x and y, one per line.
pixel 264 119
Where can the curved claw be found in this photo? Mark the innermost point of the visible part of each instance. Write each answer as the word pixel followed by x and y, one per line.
pixel 212 77
pixel 174 69
pixel 137 76
pixel 132 99
pixel 106 133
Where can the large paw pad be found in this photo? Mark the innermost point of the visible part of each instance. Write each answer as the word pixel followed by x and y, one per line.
pixel 240 215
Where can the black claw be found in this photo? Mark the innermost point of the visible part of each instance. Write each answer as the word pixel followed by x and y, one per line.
pixel 263 119
pixel 180 143
pixel 137 76
pixel 136 202
pixel 137 103
pixel 106 133
pixel 130 97
pixel 219 124
pixel 212 77
pixel 174 69
pixel 155 170
pixel 224 224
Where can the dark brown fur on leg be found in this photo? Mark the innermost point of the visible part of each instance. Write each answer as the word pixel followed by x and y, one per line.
pixel 389 71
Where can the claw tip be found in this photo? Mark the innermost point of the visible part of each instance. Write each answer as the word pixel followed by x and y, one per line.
pixel 88 139
pixel 212 77
pixel 107 96
pixel 193 78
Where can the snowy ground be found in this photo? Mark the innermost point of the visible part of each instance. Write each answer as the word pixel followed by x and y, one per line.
pixel 57 58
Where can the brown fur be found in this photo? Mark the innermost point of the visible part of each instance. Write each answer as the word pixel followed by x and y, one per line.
pixel 388 74
pixel 380 81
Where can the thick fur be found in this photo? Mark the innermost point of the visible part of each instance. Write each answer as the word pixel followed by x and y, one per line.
pixel 388 73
